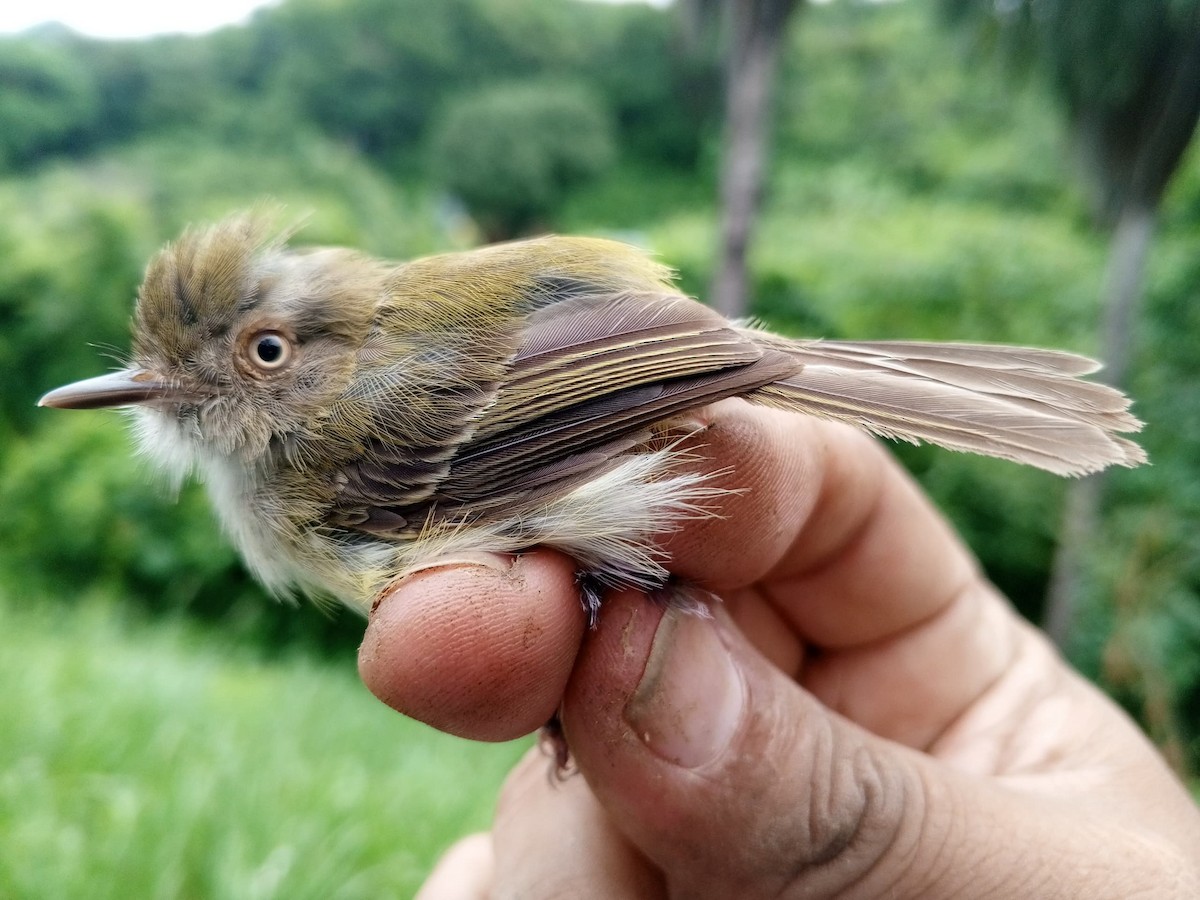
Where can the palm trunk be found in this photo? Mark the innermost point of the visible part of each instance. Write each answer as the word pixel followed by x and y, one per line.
pixel 758 31
pixel 1124 287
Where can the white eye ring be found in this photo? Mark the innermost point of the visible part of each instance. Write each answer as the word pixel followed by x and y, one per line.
pixel 270 350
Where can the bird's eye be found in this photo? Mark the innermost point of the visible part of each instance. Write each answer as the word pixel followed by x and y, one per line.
pixel 270 350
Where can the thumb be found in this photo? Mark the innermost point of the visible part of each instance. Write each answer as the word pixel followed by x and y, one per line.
pixel 729 777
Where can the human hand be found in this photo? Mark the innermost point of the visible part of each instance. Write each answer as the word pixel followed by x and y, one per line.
pixel 862 716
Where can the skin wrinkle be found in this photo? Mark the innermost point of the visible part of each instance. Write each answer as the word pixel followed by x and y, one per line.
pixel 931 849
pixel 1021 706
pixel 862 537
pixel 836 702
pixel 876 812
pixel 941 821
pixel 846 777
pixel 888 798
pixel 1135 852
pixel 1010 701
pixel 828 490
pixel 877 808
pixel 986 688
pixel 821 747
pixel 963 596
pixel 833 554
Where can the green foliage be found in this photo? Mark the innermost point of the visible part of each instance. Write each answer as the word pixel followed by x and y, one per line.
pixel 65 290
pixel 1127 76
pixel 864 91
pixel 379 72
pixel 47 101
pixel 330 190
pixel 372 71
pixel 372 74
pixel 512 153
pixel 664 91
pixel 1154 641
pixel 1097 54
pixel 945 270
pixel 159 762
pixel 96 520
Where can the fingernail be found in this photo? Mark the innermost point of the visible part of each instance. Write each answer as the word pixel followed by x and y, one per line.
pixel 689 702
pixel 496 562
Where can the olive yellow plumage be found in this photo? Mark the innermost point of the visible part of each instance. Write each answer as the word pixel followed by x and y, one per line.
pixel 355 419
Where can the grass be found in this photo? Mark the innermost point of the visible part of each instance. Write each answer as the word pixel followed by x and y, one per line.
pixel 145 760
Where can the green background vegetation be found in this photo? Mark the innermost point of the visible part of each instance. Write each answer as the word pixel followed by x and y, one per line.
pixel 169 731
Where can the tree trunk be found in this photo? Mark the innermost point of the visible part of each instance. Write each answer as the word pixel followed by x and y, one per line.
pixel 757 31
pixel 1124 286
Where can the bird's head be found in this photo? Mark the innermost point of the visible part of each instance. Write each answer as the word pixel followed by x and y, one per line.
pixel 237 339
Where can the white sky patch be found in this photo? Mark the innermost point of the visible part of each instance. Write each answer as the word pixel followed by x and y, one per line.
pixel 142 18
pixel 126 18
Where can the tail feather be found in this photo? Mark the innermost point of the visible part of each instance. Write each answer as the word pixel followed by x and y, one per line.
pixel 1016 403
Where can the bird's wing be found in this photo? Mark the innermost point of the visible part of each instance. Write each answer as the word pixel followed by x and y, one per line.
pixel 589 378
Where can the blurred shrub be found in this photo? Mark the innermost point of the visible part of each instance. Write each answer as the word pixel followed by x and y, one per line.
pixel 1146 647
pixel 91 517
pixel 512 153
pixel 66 289
pixel 47 101
pixel 889 91
pixel 331 191
pixel 886 264
pixel 370 74
pixel 83 517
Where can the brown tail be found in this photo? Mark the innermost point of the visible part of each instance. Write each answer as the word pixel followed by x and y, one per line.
pixel 1026 405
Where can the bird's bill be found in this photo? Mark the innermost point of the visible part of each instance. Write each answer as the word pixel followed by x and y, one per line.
pixel 129 387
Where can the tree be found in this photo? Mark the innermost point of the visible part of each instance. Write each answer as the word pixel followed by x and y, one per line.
pixel 755 31
pixel 511 153
pixel 1127 76
pixel 47 101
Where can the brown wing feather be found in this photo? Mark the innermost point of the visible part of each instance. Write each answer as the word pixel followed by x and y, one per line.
pixel 594 369
pixel 588 348
pixel 590 376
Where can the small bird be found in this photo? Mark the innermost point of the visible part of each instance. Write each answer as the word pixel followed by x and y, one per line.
pixel 355 419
